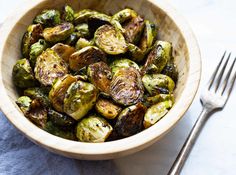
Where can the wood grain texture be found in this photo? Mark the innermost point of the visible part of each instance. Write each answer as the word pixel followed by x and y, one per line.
pixel 171 28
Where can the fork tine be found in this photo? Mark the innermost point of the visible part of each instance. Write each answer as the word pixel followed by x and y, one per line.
pixel 221 73
pixel 231 85
pixel 227 77
pixel 215 72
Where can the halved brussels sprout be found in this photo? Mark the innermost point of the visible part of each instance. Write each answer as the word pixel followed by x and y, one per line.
pixel 39 93
pixel 110 40
pixel 72 39
pixel 134 30
pixel 48 67
pixel 34 32
pixel 24 104
pixel 122 63
pixel 126 86
pixel 82 30
pixel 93 129
pixel 58 33
pixel 107 108
pixel 80 99
pixel 136 53
pixel 158 57
pixel 85 57
pixel 82 42
pixel 60 119
pixel 58 91
pixel 130 120
pixel 171 70
pixel 48 18
pixel 159 98
pixel 153 82
pixel 22 74
pixel 100 75
pixel 64 51
pixel 156 112
pixel 36 49
pixel 68 13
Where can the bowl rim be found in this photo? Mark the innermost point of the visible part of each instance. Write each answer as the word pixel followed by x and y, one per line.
pixel 118 148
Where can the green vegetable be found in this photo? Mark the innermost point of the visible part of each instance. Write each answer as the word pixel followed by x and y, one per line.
pixel 136 54
pixel 82 42
pixel 82 30
pixel 64 51
pixel 48 18
pixel 68 13
pixel 24 104
pixel 122 63
pixel 171 70
pixel 72 39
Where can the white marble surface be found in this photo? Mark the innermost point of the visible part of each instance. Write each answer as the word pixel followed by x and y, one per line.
pixel 214 24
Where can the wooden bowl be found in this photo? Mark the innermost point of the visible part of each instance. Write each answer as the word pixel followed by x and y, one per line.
pixel 171 28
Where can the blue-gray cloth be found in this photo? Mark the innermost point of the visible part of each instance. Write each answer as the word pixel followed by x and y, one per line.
pixel 19 156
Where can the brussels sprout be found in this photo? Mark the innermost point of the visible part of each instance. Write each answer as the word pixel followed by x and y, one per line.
pixel 126 86
pixel 93 129
pixel 58 131
pixel 68 13
pixel 82 30
pixel 130 120
pixel 81 77
pixel 24 104
pixel 80 98
pixel 39 93
pixel 149 36
pixel 85 57
pixel 136 53
pixel 60 119
pixel 64 51
pixel 48 67
pixel 107 108
pixel 36 49
pixel 100 75
pixel 134 30
pixel 152 83
pixel 158 57
pixel 159 98
pixel 58 91
pixel 171 70
pixel 122 63
pixel 72 39
pixel 48 18
pixel 110 40
pixel 32 35
pixel 156 112
pixel 58 33
pixel 82 42
pixel 22 74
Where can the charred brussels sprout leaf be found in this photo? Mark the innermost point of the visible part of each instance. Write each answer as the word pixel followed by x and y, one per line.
pixel 100 75
pixel 48 67
pixel 153 83
pixel 82 42
pixel 80 99
pixel 107 108
pixel 68 13
pixel 24 104
pixel 93 129
pixel 110 40
pixel 171 70
pixel 122 63
pixel 126 86
pixel 85 57
pixel 58 91
pixel 64 51
pixel 23 74
pixel 130 120
pixel 136 53
pixel 48 18
pixel 82 30
pixel 156 112
pixel 31 36
pixel 58 33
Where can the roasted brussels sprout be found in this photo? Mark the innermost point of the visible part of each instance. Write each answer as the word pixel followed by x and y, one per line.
pixel 22 74
pixel 48 67
pixel 126 86
pixel 158 57
pixel 152 83
pixel 34 32
pixel 60 119
pixel 82 42
pixel 159 98
pixel 107 108
pixel 130 120
pixel 82 30
pixel 93 129
pixel 48 18
pixel 24 104
pixel 136 53
pixel 64 51
pixel 72 39
pixel 156 112
pixel 100 75
pixel 58 33
pixel 68 13
pixel 122 63
pixel 85 57
pixel 80 98
pixel 110 40
pixel 171 70
pixel 58 91
pixel 36 49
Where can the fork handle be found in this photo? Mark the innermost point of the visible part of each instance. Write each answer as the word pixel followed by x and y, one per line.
pixel 185 150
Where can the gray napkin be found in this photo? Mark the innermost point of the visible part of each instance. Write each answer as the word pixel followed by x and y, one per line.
pixel 20 156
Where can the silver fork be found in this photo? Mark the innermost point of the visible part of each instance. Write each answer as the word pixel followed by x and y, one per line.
pixel 213 98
